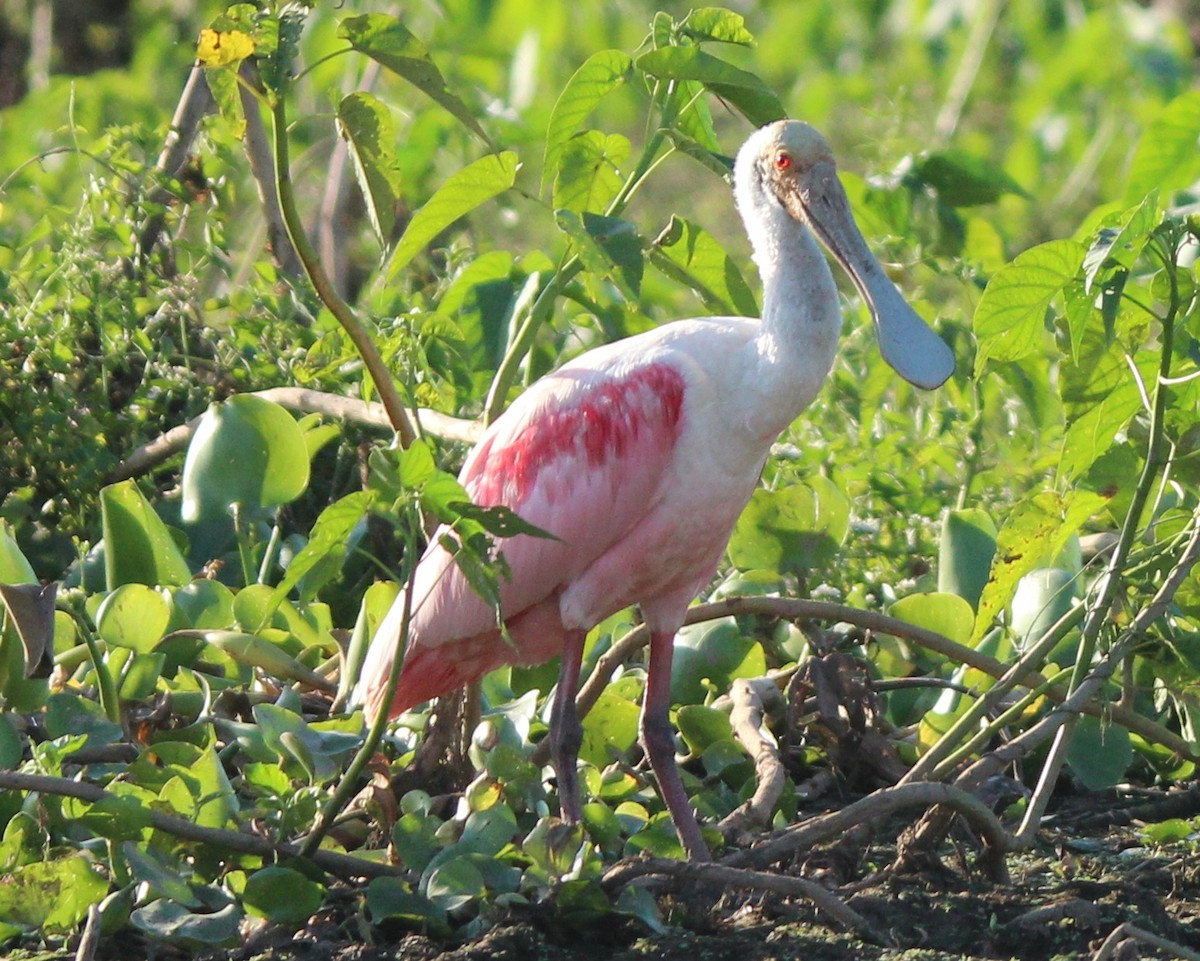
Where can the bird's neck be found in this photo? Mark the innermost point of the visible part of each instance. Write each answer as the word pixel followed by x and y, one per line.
pixel 801 319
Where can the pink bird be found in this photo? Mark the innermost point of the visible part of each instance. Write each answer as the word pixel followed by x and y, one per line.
pixel 640 455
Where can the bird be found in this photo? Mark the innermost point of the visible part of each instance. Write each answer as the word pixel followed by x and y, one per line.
pixel 638 457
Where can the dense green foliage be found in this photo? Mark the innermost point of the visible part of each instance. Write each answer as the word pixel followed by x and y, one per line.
pixel 494 187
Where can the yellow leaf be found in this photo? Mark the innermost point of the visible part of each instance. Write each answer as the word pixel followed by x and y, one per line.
pixel 220 49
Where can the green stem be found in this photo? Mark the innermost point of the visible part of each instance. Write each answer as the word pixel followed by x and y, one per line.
pixel 320 281
pixel 241 532
pixel 350 780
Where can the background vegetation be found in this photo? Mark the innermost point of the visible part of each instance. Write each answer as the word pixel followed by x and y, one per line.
pixel 491 188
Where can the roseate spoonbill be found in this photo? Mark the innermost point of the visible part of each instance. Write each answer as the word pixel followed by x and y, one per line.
pixel 640 455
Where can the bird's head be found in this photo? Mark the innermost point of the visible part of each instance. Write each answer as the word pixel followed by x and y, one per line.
pixel 789 165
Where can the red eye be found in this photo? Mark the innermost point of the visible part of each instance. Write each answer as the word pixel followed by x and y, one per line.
pixel 783 160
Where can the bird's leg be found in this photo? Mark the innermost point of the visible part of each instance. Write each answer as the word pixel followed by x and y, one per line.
pixel 659 741
pixel 566 733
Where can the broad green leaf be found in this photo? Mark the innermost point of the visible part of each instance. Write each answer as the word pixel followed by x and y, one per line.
pixel 692 256
pixel 946 614
pixel 206 797
pixel 248 452
pixel 385 39
pixel 167 920
pixel 475 184
pixel 53 896
pixel 1038 527
pixel 391 899
pixel 965 180
pixel 223 48
pixel 588 174
pixel 1099 752
pixel 611 727
pixel 965 553
pixel 608 247
pixel 792 529
pixel 1167 157
pixel 1099 397
pixel 712 653
pixel 1011 315
pixel 138 547
pixel 599 75
pixel 258 652
pixel 14 568
pixel 489 831
pixel 1043 596
pixel 366 124
pixel 282 895
pixel 207 604
pixel 700 726
pixel 717 23
pixel 758 102
pixel 133 616
pixel 455 884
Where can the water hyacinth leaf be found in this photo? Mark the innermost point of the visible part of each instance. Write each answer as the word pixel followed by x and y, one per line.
pixel 133 616
pixel 692 256
pixel 1099 752
pixel 248 452
pixel 31 612
pixel 610 727
pixel 1040 525
pixel 701 726
pixel 748 93
pixel 598 76
pixel 945 614
pixel 256 651
pixel 366 125
pixel 282 895
pixel 792 529
pixel 138 547
pixel 712 653
pixel 488 831
pixel 965 552
pixel 207 604
pixel 386 40
pixel 1166 158
pixel 12 748
pixel 454 884
pixel 1011 315
pixel 965 180
pixel 169 921
pixel 465 190
pixel 52 896
pixel 14 567
pixel 390 899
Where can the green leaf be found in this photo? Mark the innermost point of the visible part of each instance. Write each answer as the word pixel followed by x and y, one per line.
pixel 207 604
pixel 14 568
pixel 1167 158
pixel 1011 314
pixel 1099 752
pixel 488 831
pixel 702 726
pixel 1100 396
pixel 166 920
pixel 282 895
pixel 499 521
pixel 964 180
pixel 31 613
pixel 454 884
pixel 366 124
pixel 390 899
pixel 248 452
pixel 946 614
pixel 133 616
pixel 588 175
pixel 53 896
pixel 693 257
pixel 611 727
pixel 608 246
pixel 758 102
pixel 138 547
pixel 716 23
pixel 1037 527
pixel 965 553
pixel 719 164
pixel 792 529
pixel 386 40
pixel 475 184
pixel 712 653
pixel 599 75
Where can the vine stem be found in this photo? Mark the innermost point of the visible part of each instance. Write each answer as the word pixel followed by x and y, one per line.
pixel 380 375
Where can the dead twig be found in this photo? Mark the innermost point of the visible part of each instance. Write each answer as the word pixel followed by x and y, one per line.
pixel 342 865
pixel 723 875
pixel 365 413
pixel 1129 932
pixel 753 700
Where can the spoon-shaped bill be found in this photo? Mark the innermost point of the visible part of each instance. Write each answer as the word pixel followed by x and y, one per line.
pixel 907 343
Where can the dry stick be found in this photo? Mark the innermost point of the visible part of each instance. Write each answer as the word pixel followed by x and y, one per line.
pixel 90 937
pixel 826 901
pixel 1127 931
pixel 876 807
pixel 341 865
pixel 366 413
pixel 751 700
pixel 802 609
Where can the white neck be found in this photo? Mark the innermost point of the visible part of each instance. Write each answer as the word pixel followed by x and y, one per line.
pixel 801 318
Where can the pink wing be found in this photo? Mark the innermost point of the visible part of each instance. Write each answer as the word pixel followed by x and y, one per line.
pixel 581 454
